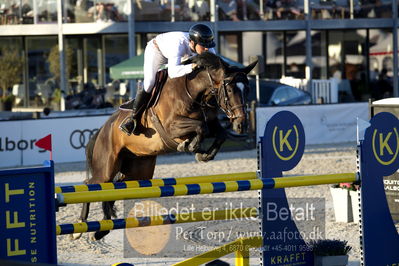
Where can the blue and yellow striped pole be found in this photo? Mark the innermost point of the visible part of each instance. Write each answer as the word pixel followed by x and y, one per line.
pixel 203 188
pixel 157 182
pixel 132 222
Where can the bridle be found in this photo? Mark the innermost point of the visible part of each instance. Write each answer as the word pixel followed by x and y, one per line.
pixel 220 94
pixel 224 101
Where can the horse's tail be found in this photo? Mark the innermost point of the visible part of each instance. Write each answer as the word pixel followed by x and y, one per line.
pixel 89 153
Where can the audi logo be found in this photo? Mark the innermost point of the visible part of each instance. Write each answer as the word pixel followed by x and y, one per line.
pixel 80 138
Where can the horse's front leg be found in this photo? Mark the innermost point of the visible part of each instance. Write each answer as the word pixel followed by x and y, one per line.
pixel 191 128
pixel 220 138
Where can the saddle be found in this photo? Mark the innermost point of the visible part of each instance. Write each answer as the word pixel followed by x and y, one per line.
pixel 160 79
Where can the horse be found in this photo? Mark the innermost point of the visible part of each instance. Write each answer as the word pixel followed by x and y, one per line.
pixel 178 119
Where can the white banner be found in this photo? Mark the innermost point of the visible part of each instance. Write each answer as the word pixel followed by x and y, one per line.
pixel 69 138
pixel 323 124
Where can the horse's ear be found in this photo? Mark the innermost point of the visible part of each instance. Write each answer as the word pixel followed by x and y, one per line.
pixel 248 68
pixel 228 69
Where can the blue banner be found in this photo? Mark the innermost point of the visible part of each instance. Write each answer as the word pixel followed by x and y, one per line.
pixel 282 148
pixel 379 158
pixel 28 207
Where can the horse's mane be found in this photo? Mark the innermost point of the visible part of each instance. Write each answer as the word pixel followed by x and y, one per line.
pixel 206 59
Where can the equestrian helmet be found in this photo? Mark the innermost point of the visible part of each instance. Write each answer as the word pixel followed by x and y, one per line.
pixel 203 35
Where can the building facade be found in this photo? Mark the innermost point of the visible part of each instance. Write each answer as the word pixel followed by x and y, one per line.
pixel 354 41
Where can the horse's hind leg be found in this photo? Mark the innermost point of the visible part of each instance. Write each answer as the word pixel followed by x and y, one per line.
pixel 84 214
pixel 108 208
pixel 101 172
pixel 109 212
pixel 134 168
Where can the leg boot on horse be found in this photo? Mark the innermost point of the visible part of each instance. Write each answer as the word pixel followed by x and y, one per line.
pixel 130 124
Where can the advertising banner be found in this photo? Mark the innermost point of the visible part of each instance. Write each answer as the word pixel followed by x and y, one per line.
pixel 324 124
pixel 28 226
pixel 69 139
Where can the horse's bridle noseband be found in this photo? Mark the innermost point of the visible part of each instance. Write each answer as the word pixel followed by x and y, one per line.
pixel 222 97
pixel 220 94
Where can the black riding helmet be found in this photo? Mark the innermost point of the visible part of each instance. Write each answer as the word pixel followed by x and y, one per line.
pixel 203 35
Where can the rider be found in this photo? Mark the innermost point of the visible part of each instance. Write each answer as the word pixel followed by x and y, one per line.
pixel 170 48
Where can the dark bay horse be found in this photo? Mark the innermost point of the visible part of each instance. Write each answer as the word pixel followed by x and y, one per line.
pixel 184 113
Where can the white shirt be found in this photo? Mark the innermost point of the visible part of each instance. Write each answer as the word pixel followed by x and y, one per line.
pixel 175 47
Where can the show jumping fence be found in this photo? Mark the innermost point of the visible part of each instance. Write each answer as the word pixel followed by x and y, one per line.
pixel 157 182
pixel 202 188
pixel 132 222
pixel 281 148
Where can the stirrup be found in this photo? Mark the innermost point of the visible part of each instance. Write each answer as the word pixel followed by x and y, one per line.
pixel 128 125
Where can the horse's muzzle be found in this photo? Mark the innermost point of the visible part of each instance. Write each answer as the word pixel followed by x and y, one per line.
pixel 239 125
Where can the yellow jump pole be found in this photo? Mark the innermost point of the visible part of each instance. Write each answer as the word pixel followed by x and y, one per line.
pixel 132 222
pixel 203 188
pixel 157 182
pixel 239 244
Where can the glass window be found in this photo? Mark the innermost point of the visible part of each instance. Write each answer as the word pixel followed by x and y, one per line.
pixel 73 61
pixel 116 51
pixel 10 12
pixel 12 77
pixel 292 93
pixel 46 11
pixel 81 11
pixel 296 54
pixel 43 69
pixel 229 46
pixel 91 61
pixel 26 12
pixel 274 55
pixel 285 54
pixel 347 63
pixel 227 10
pixel 280 95
pixel 319 54
pixel 77 11
pixel 283 9
pixel 167 10
pixel 373 9
pixel 330 9
pixel 122 9
pixel 198 10
pixel 381 63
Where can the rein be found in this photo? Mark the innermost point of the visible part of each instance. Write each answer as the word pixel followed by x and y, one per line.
pixel 203 103
pixel 221 96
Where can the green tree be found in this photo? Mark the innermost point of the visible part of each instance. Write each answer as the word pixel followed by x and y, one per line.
pixel 11 65
pixel 54 61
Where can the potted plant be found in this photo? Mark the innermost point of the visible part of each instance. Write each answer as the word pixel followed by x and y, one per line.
pixel 346 202
pixel 6 102
pixel 330 252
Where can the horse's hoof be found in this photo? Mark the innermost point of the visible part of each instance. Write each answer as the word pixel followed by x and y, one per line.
pixel 95 236
pixel 92 236
pixel 201 157
pixel 182 147
pixel 75 236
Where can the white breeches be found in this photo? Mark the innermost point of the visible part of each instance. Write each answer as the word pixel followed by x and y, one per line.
pixel 153 60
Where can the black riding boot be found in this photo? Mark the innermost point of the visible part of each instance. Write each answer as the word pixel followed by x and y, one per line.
pixel 129 125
